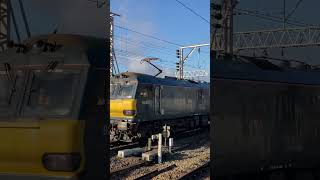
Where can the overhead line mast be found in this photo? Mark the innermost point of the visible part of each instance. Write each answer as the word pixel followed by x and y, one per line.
pixel 7 16
pixel 284 14
pixel 4 23
pixel 183 58
pixel 284 37
pixel 114 69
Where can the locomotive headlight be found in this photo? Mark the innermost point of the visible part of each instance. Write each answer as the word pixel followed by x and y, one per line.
pixel 66 162
pixel 129 112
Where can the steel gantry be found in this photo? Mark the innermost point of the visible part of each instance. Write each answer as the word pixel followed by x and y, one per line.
pixel 114 69
pixel 7 16
pixel 279 38
pixel 4 23
pixel 284 37
pixel 183 58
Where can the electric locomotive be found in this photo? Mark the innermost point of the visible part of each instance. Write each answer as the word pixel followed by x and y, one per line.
pixel 265 115
pixel 52 108
pixel 141 105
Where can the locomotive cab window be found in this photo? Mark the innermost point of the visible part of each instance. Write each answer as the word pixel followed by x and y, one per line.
pixel 51 93
pixel 5 86
pixel 122 91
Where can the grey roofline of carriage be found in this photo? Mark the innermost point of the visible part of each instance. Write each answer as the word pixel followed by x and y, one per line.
pixel 239 70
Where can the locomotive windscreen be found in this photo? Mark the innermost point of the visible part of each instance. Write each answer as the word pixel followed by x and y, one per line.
pixel 9 85
pixel 120 91
pixel 51 93
pixel 5 88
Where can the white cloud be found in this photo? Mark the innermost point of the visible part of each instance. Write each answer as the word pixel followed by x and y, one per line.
pixel 136 52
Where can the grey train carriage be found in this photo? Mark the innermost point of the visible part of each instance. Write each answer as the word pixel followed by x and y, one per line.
pixel 265 116
pixel 142 104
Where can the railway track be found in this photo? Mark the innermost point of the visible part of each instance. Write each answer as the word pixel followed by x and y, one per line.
pixel 125 170
pixel 155 173
pixel 195 173
pixel 186 135
pixel 129 168
pixel 189 133
pixel 118 147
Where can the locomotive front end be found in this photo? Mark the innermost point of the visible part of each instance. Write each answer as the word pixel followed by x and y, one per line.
pixel 123 110
pixel 46 108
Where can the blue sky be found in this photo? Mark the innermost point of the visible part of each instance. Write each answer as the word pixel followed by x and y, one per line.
pixel 164 19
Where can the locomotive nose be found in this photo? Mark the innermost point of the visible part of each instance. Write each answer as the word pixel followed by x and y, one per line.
pixel 122 108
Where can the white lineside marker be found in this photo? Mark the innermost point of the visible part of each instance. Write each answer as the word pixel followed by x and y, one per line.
pixel 160 148
pixel 170 144
pixel 149 144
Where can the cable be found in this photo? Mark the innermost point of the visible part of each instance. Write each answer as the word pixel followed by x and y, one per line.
pixel 125 53
pixel 153 37
pixel 293 10
pixel 143 42
pixel 263 15
pixel 193 11
pixel 149 47
pixel 267 16
pixel 146 35
pixel 136 57
pixel 146 46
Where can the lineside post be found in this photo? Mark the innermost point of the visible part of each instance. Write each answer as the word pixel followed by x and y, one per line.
pixel 170 144
pixel 159 148
pixel 149 144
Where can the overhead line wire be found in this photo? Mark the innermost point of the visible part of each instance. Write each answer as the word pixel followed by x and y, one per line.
pixel 293 10
pixel 270 17
pixel 193 11
pixel 147 35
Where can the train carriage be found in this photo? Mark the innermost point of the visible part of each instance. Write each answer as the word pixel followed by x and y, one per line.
pixel 265 116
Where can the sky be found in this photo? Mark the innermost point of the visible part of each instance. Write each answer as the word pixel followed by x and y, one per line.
pixel 307 12
pixel 166 20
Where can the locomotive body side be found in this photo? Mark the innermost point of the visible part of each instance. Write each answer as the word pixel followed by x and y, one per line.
pixel 159 101
pixel 265 119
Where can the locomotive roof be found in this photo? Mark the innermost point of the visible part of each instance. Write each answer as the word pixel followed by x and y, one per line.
pixel 149 79
pixel 80 41
pixel 257 69
pixel 71 49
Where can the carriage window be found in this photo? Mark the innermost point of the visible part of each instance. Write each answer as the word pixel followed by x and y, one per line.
pixel 51 93
pixel 146 91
